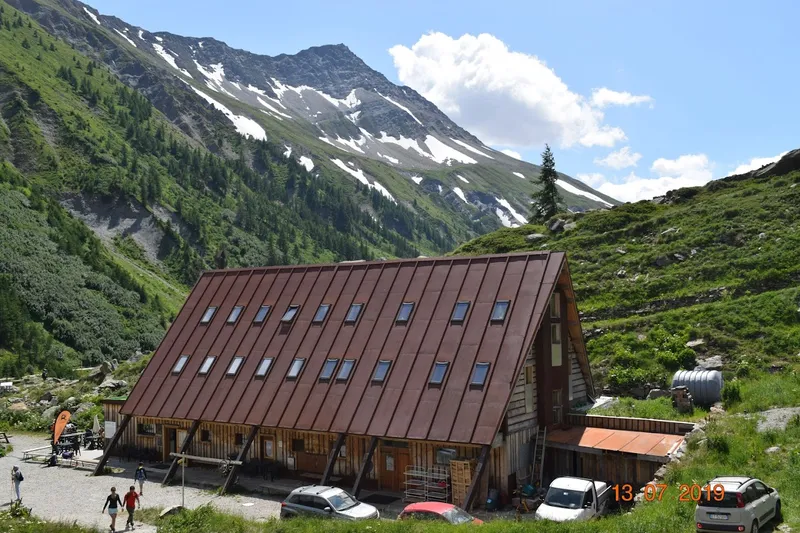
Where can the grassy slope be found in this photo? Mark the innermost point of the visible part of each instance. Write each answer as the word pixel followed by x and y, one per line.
pixel 732 284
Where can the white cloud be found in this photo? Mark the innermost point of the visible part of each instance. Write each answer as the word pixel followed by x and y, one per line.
pixel 593 179
pixel 606 97
pixel 504 97
pixel 512 153
pixel 623 158
pixel 756 163
pixel 688 170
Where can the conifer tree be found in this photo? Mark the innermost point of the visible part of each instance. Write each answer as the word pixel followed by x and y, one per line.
pixel 547 199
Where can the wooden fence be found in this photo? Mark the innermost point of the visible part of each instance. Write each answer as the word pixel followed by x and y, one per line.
pixel 669 427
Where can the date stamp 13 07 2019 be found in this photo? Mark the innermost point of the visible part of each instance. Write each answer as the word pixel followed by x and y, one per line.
pixel 686 493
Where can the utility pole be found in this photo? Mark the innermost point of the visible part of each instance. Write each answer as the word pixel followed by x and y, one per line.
pixel 183 482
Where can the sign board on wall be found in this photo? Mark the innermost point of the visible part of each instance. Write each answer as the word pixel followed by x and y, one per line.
pixel 110 428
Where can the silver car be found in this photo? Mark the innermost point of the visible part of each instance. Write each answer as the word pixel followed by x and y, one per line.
pixel 736 504
pixel 326 502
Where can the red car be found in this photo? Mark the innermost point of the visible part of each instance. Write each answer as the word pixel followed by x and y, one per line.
pixel 438 511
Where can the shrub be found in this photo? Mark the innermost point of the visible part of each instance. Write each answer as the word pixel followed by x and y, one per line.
pixel 731 394
pixel 719 444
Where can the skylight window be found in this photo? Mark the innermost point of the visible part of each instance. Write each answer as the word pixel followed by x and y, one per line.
pixel 182 360
pixel 290 313
pixel 460 312
pixel 236 364
pixel 209 314
pixel 406 308
pixel 381 371
pixel 479 374
pixel 322 312
pixel 439 370
pixel 235 312
pixel 346 369
pixel 294 370
pixel 328 369
pixel 207 364
pixel 263 311
pixel 263 367
pixel 500 310
pixel 353 312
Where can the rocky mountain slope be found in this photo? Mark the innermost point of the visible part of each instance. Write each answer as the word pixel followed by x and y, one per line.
pixel 326 107
pixel 704 275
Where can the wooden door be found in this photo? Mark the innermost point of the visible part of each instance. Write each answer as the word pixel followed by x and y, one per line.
pixel 169 442
pixel 267 448
pixel 393 466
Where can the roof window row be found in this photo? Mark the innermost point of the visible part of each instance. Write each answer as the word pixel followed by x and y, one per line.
pixel 479 373
pixel 403 314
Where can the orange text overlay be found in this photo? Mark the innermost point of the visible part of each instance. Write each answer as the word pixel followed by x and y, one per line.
pixel 686 493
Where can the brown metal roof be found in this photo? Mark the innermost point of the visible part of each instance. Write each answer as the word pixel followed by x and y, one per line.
pixel 616 440
pixel 405 405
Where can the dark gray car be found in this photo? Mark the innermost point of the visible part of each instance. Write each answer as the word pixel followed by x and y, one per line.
pixel 326 502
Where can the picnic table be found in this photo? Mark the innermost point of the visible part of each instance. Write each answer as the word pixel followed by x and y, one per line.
pixel 31 454
pixel 4 436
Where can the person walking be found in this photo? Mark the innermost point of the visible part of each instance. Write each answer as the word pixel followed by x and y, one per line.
pixel 17 478
pixel 141 476
pixel 131 499
pixel 112 502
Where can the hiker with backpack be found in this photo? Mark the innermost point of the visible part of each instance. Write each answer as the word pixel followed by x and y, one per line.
pixel 17 478
pixel 141 476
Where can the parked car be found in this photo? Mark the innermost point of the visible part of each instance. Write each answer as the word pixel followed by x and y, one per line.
pixel 445 512
pixel 745 505
pixel 574 498
pixel 326 502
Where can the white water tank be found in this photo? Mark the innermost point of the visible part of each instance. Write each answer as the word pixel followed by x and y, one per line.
pixel 704 385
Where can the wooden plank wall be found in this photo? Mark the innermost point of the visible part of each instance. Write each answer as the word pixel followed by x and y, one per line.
pixel 577 379
pixel 516 416
pixel 669 427
pixel 608 466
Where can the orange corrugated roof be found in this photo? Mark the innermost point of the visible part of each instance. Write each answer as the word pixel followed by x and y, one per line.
pixel 617 440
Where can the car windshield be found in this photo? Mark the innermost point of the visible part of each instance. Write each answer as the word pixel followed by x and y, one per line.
pixel 728 499
pixel 342 501
pixel 457 516
pixel 568 499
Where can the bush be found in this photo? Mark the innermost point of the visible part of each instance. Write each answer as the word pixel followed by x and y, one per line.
pixel 719 444
pixel 731 394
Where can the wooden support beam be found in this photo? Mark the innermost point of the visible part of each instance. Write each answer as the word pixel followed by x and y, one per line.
pixel 337 445
pixel 242 454
pixel 110 446
pixel 364 470
pixel 476 478
pixel 184 446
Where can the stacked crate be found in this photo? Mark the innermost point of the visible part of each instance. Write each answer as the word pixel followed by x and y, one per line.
pixel 460 479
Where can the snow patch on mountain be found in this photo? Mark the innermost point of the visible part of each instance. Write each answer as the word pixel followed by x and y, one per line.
pixel 126 37
pixel 307 162
pixel 92 16
pixel 246 126
pixel 446 154
pixel 462 178
pixel 399 105
pixel 359 175
pixel 417 179
pixel 141 35
pixel 389 158
pixel 574 190
pixel 518 174
pixel 326 140
pixel 504 220
pixel 470 148
pixel 349 101
pixel 159 39
pixel 216 74
pixel 353 117
pixel 354 144
pixel 288 151
pixel 268 106
pixel 168 58
pixel 200 44
pixel 404 142
pixel 460 194
pixel 502 201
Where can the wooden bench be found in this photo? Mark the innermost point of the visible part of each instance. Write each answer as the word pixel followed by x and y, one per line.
pixel 79 463
pixel 5 437
pixel 31 454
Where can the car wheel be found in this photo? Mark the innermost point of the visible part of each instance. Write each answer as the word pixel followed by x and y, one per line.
pixel 754 527
pixel 778 516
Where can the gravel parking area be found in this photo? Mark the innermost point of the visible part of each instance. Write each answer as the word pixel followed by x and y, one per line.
pixel 67 494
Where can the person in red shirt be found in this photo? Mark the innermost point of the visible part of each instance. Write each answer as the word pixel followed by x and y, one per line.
pixel 130 500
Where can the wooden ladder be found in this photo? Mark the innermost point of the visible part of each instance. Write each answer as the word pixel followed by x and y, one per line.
pixel 538 456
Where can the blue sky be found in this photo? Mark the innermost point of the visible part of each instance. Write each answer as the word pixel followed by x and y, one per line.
pixel 693 89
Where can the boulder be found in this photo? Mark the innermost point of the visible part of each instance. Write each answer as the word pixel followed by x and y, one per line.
pixel 658 393
pixel 106 367
pixel 83 408
pixel 762 235
pixel 621 273
pixel 557 225
pixel 535 237
pixel 569 226
pixel 18 406
pixel 621 251
pixel 696 343
pixel 70 402
pixel 662 261
pixel 670 230
pixel 772 449
pixel 679 257
pixel 51 412
pixel 113 384
pixel 710 363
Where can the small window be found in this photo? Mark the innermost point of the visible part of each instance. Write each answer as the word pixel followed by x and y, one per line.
pixel 236 364
pixel 288 316
pixel 381 371
pixel 346 369
pixel 238 439
pixel 439 370
pixel 460 312
pixel 322 312
pixel 145 430
pixel 555 305
pixel 445 455
pixel 294 370
pixel 328 369
pixel 205 435
pixel 298 445
pixel 235 312
pixel 263 367
pixel 353 312
pixel 405 311
pixel 500 310
pixel 479 374
pixel 207 364
pixel 555 333
pixel 180 364
pixel 209 314
pixel 263 311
